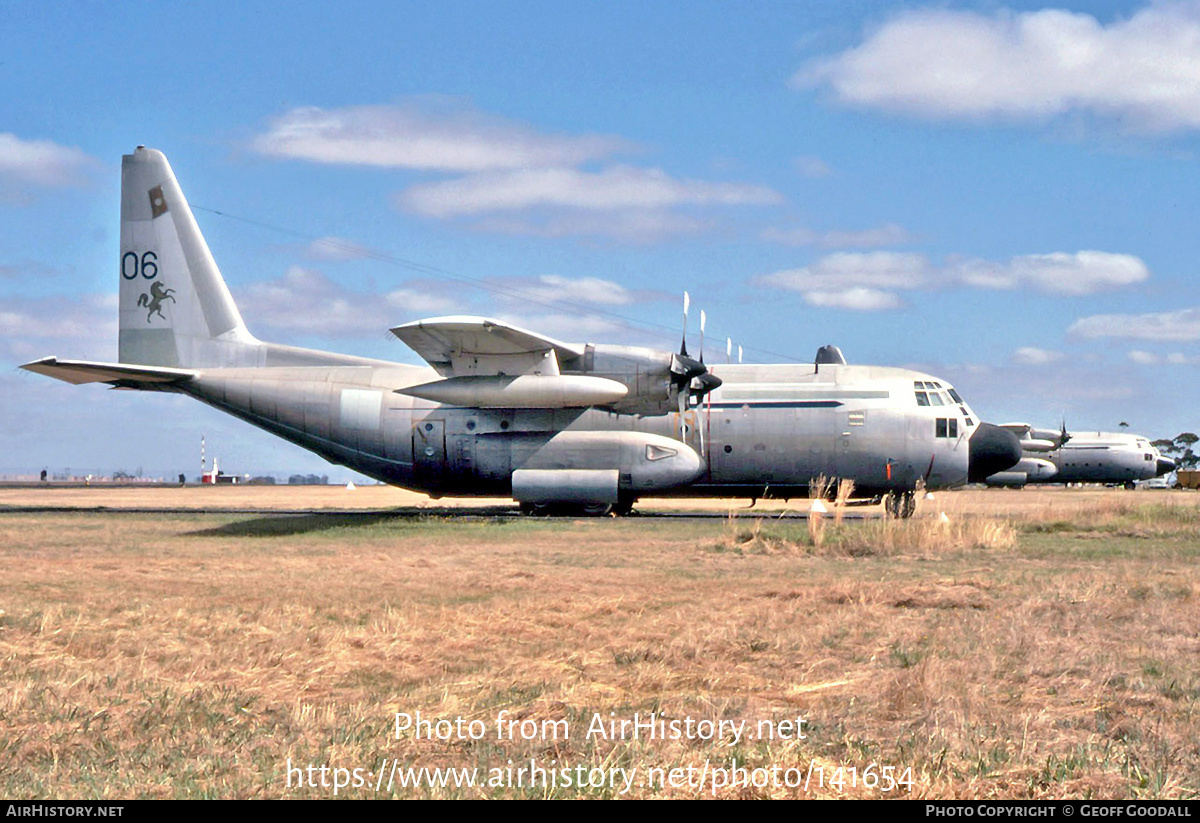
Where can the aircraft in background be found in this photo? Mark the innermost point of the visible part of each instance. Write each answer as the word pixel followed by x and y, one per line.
pixel 507 412
pixel 1049 456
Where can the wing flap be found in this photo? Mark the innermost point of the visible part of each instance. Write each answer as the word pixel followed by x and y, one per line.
pixel 117 374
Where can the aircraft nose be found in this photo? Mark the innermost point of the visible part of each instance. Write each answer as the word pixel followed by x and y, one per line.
pixel 1165 465
pixel 992 449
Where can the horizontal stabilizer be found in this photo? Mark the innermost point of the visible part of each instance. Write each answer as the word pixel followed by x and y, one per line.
pixel 86 371
pixel 478 346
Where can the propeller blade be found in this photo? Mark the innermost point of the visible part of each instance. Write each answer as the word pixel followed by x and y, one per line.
pixel 683 399
pixel 687 302
pixel 728 349
pixel 689 376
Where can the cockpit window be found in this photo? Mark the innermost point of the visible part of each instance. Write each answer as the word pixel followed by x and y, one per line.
pixel 954 394
pixel 922 399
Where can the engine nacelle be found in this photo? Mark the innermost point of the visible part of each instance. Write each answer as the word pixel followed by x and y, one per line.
pixel 653 379
pixel 526 391
pixel 1016 479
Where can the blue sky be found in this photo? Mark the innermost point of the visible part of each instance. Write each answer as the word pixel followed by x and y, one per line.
pixel 1004 195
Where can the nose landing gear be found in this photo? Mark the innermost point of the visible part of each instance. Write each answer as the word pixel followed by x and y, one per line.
pixel 900 505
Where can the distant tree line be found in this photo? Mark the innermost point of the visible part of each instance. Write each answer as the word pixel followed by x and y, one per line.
pixel 1180 449
pixel 308 480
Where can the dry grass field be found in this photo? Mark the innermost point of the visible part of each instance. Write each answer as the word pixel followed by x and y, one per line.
pixel 1037 644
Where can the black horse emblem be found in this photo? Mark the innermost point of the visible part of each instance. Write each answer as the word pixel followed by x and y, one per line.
pixel 153 302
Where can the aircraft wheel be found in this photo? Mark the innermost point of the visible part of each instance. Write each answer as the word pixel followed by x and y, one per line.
pixel 568 509
pixel 1129 485
pixel 624 506
pixel 900 505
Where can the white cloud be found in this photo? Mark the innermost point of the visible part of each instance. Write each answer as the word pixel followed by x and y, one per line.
pixel 1146 358
pixel 558 289
pixel 1143 72
pixel 855 299
pixel 1083 272
pixel 512 178
pixel 39 163
pixel 73 327
pixel 1174 325
pixel 425 134
pixel 614 188
pixel 881 270
pixel 1031 356
pixel 884 272
pixel 306 301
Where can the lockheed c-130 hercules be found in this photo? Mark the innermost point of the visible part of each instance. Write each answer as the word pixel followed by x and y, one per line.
pixel 507 412
pixel 1113 458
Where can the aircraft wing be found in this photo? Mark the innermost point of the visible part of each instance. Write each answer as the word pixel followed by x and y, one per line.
pixel 1037 440
pixel 1019 429
pixel 121 375
pixel 479 346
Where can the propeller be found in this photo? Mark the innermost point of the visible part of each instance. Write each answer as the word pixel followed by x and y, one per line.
pixel 1063 437
pixel 690 376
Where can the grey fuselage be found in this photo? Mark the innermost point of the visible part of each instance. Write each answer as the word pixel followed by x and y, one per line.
pixel 1088 457
pixel 769 429
pixel 1104 458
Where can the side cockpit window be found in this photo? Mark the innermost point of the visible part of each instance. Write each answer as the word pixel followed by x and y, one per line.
pixel 946 427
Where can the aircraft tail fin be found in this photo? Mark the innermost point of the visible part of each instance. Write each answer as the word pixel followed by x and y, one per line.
pixel 176 310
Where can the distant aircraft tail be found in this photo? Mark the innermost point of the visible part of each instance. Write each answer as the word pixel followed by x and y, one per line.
pixel 176 310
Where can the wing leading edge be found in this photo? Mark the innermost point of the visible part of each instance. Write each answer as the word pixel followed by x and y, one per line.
pixel 479 346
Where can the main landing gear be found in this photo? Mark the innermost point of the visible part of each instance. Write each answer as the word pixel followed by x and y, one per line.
pixel 622 507
pixel 900 505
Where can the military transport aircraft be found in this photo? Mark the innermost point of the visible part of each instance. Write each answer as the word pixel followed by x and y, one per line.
pixel 1049 456
pixel 504 411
